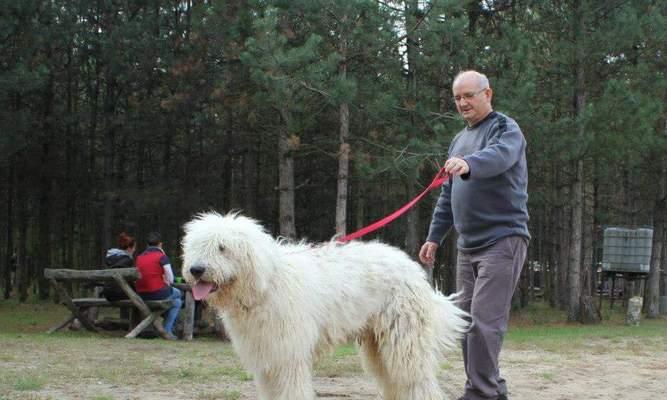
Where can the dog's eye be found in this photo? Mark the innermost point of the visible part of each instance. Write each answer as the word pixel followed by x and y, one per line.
pixel 221 248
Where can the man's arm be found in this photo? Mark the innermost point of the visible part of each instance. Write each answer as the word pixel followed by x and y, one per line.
pixel 503 151
pixel 440 224
pixel 168 275
pixel 442 215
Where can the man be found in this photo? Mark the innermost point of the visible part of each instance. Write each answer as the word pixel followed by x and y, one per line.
pixel 156 279
pixel 485 199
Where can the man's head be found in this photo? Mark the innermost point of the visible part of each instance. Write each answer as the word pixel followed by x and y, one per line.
pixel 472 95
pixel 154 239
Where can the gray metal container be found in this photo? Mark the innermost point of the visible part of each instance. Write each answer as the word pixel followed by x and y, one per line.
pixel 627 250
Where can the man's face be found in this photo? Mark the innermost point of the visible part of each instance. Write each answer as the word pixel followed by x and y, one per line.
pixel 472 102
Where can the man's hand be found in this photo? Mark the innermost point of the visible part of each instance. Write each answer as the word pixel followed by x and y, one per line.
pixel 456 166
pixel 427 253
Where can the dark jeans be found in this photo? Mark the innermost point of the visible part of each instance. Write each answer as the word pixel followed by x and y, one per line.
pixel 172 313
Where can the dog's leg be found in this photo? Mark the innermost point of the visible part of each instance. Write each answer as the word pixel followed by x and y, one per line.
pixel 408 350
pixel 428 389
pixel 293 382
pixel 373 363
pixel 413 377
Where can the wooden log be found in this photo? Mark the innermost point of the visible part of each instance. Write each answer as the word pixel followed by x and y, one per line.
pixel 188 325
pixel 62 324
pixel 101 302
pixel 139 303
pixel 130 274
pixel 93 312
pixel 142 325
pixel 132 295
pixel 67 301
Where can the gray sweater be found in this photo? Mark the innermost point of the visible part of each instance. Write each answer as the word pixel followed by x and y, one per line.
pixel 489 202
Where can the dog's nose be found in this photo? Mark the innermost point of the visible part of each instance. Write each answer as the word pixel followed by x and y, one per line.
pixel 197 270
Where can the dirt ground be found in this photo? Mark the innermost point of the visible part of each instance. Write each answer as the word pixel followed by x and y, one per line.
pixel 71 367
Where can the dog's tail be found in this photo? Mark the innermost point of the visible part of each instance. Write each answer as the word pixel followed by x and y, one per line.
pixel 450 322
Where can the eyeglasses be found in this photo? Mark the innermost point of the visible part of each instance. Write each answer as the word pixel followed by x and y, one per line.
pixel 467 96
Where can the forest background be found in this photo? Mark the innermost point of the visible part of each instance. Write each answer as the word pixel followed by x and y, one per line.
pixel 317 117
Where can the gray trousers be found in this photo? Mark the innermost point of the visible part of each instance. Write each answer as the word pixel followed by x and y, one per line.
pixel 487 280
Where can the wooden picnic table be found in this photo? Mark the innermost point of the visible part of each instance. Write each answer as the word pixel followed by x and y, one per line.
pixel 150 310
pixel 189 311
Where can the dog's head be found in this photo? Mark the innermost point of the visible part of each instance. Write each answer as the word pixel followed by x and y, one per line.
pixel 227 255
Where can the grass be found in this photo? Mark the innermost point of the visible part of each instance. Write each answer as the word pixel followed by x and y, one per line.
pixel 223 395
pixel 341 363
pixel 538 323
pixel 29 317
pixel 105 367
pixel 539 326
pixel 29 383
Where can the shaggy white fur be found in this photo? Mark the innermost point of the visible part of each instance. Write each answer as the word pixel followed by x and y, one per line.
pixel 284 304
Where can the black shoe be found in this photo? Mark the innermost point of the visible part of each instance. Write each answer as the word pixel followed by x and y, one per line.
pixel 500 397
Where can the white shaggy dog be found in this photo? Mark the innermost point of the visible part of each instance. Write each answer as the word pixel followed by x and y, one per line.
pixel 284 304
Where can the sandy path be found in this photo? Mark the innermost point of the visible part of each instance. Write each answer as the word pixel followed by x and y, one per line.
pixel 602 369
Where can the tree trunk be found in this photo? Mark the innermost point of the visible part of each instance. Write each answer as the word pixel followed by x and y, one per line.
pixel 43 259
pixel 657 283
pixel 564 223
pixel 551 276
pixel 412 237
pixel 663 284
pixel 286 179
pixel 22 269
pixel 109 193
pixel 228 169
pixel 575 270
pixel 343 171
pixel 10 256
pixel 360 204
pixel 343 152
pixel 251 174
pixel 653 297
pixel 72 141
pixel 589 314
pixel 574 273
pixel 44 248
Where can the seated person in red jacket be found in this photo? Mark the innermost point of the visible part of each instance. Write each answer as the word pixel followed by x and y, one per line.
pixel 119 257
pixel 156 279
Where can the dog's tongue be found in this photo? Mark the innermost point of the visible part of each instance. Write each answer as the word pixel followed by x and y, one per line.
pixel 201 289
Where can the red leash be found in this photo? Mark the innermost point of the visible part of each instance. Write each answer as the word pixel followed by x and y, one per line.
pixel 438 180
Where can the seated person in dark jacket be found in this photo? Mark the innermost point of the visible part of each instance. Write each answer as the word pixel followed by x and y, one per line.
pixel 119 257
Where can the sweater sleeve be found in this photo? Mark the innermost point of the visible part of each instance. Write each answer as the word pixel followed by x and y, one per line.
pixel 442 218
pixel 504 150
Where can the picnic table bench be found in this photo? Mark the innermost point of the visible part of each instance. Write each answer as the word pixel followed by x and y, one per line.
pixel 150 310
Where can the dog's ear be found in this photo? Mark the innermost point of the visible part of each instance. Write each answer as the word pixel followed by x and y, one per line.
pixel 258 264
